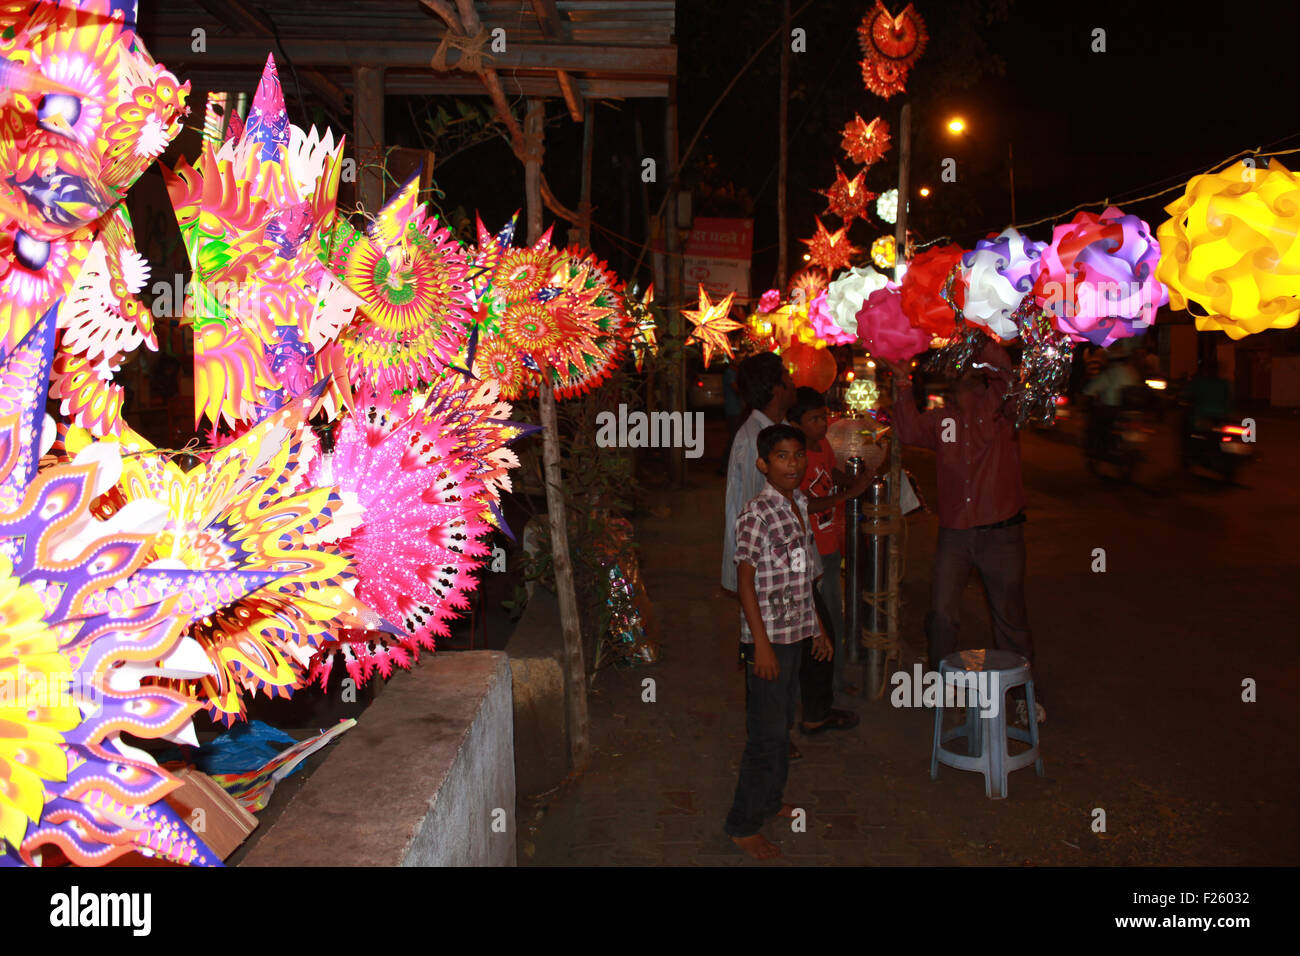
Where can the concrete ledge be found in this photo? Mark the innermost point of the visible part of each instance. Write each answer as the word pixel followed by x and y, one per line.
pixel 417 781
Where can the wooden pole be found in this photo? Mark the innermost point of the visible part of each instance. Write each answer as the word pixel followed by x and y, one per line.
pixel 782 252
pixel 575 670
pixel 368 123
pixel 677 373
pixel 583 230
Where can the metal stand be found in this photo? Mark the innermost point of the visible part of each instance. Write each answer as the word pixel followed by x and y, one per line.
pixel 853 568
pixel 877 577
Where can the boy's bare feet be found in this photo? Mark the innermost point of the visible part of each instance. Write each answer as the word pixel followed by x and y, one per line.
pixel 758 846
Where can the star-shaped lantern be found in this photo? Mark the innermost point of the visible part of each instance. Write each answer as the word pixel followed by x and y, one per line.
pixel 848 198
pixel 891 45
pixel 831 250
pixel 866 143
pixel 643 325
pixel 712 325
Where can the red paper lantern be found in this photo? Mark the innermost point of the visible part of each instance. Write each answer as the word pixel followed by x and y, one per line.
pixel 923 302
pixel 811 367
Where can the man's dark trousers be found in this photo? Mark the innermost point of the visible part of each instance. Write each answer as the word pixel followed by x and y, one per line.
pixel 770 710
pixel 999 555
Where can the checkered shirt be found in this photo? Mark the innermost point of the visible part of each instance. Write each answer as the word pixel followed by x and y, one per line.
pixel 786 564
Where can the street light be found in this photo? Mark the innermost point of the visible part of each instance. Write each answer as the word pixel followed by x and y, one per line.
pixel 957 126
pixel 925 190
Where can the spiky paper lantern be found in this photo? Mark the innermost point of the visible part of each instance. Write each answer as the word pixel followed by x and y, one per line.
pixel 848 198
pixel 864 142
pixel 831 250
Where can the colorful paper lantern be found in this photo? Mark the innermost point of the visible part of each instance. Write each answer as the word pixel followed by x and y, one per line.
pixel 883 252
pixel 890 46
pixel 824 325
pixel 884 330
pixel 1231 250
pixel 923 286
pixel 998 273
pixel 846 294
pixel 712 325
pixel 862 395
pixel 1098 277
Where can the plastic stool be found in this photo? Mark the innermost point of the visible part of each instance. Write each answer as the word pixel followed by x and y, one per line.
pixel 987 736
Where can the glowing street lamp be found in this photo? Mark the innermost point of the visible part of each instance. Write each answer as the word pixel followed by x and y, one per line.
pixel 956 125
pixel 925 190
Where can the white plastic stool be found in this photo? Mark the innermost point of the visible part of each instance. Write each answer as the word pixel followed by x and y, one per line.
pixel 987 735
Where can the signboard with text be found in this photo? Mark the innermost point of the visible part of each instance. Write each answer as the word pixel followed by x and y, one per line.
pixel 717 256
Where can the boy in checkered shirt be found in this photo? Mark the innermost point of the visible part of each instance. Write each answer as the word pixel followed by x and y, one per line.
pixel 777 565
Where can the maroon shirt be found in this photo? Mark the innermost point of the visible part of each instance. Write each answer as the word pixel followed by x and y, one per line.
pixel 979 470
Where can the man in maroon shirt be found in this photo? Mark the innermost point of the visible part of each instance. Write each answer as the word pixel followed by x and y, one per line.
pixel 981 502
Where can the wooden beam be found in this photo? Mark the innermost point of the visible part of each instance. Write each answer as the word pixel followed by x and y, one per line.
pixel 235 15
pixel 548 18
pixel 226 50
pixel 424 82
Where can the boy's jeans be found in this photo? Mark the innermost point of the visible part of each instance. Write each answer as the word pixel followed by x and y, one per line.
pixel 770 712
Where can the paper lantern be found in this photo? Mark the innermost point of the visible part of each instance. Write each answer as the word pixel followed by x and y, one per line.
pixel 890 46
pixel 861 395
pixel 883 252
pixel 846 294
pixel 998 273
pixel 865 143
pixel 1231 249
pixel 1098 277
pixel 831 250
pixel 923 285
pixel 712 325
pixel 810 367
pixel 848 198
pixel 806 284
pixel 887 206
pixel 885 331
pixel 824 325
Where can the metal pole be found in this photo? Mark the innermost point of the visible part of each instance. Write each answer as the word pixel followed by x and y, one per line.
pixel 878 620
pixel 853 568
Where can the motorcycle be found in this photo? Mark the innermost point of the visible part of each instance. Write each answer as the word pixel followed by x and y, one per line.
pixel 1217 445
pixel 1117 437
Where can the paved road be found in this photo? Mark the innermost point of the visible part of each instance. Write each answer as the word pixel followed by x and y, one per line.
pixel 1144 663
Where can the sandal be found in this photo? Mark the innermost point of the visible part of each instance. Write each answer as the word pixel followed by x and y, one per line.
pixel 835 720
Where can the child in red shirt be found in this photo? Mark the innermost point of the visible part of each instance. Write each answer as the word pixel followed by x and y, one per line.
pixel 826 511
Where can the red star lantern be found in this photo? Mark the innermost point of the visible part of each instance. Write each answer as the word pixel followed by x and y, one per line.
pixel 848 197
pixel 831 250
pixel 883 78
pixel 808 284
pixel 866 143
pixel 890 46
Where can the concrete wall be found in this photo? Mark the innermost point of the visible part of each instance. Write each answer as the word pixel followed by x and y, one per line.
pixel 418 781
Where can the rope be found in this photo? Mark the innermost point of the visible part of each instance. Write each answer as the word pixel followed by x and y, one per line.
pixel 886 521
pixel 472 56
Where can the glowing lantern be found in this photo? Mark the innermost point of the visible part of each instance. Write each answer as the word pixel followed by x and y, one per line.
pixel 811 367
pixel 862 395
pixel 883 252
pixel 887 206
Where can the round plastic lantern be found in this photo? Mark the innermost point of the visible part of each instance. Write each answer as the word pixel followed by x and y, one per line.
pixel 811 367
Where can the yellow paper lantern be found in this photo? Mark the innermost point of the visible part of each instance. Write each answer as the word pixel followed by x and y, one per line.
pixel 883 252
pixel 1232 249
